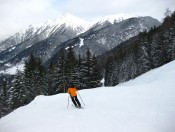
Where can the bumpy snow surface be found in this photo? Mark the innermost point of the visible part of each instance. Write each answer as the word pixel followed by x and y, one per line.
pixel 145 104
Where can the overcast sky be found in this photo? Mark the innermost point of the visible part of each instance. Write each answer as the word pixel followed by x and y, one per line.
pixel 18 14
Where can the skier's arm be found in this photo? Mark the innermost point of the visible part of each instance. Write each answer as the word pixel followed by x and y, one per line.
pixel 75 88
pixel 68 91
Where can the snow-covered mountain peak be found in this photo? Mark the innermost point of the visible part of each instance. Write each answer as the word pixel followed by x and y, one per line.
pixel 72 21
pixel 50 26
pixel 110 19
pixel 45 30
pixel 114 18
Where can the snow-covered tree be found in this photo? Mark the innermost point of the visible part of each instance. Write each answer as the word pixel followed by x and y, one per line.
pixel 18 91
pixel 96 73
pixel 86 70
pixel 4 97
pixel 61 72
pixel 71 67
pixel 51 77
pixel 34 74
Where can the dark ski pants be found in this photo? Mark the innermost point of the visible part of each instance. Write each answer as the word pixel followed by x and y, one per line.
pixel 76 101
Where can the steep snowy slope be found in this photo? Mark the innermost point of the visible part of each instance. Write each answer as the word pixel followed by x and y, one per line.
pixel 43 31
pixel 145 104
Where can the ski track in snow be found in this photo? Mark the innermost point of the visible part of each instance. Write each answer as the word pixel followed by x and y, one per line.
pixel 145 104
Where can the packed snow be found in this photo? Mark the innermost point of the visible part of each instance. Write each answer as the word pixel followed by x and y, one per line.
pixel 12 48
pixel 81 42
pixel 144 104
pixel 13 70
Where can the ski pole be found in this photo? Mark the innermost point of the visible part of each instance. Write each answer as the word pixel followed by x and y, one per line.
pixel 80 98
pixel 68 103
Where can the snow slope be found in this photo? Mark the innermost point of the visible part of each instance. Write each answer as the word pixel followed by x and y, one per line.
pixel 145 104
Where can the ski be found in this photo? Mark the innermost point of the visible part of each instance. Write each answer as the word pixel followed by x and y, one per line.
pixel 81 108
pixel 78 107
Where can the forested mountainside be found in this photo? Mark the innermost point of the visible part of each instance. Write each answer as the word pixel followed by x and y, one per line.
pixel 103 39
pixel 99 39
pixel 140 54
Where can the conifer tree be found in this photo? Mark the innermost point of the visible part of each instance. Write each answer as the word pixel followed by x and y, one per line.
pixel 71 66
pixel 144 54
pixel 80 73
pixel 61 72
pixel 18 91
pixel 29 77
pixel 39 77
pixel 4 97
pixel 96 74
pixel 86 70
pixel 50 79
pixel 34 77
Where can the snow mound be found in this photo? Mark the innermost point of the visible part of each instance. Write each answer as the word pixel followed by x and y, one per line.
pixel 145 104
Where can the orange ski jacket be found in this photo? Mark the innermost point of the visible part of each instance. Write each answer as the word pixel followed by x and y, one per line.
pixel 72 92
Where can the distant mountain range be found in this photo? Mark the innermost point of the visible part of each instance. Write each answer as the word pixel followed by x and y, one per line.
pixel 48 39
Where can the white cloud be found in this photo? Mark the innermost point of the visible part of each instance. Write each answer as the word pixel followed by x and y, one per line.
pixel 18 14
pixel 92 8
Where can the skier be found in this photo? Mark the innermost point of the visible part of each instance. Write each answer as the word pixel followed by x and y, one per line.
pixel 72 91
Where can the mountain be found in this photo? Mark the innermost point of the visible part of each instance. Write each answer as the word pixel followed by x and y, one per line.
pixel 112 35
pixel 140 54
pixel 107 36
pixel 109 20
pixel 44 31
pixel 61 29
pixel 145 104
pixel 101 37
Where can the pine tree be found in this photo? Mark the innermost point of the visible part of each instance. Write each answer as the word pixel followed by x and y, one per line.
pixel 40 75
pixel 4 97
pixel 109 69
pixel 61 72
pixel 29 77
pixel 145 58
pixel 34 74
pixel 71 67
pixel 18 91
pixel 50 80
pixel 96 73
pixel 80 73
pixel 86 70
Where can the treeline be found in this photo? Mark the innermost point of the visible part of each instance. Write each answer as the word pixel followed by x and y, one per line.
pixel 140 54
pixel 82 71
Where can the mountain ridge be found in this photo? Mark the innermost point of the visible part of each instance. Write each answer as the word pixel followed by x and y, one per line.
pixel 99 38
pixel 46 30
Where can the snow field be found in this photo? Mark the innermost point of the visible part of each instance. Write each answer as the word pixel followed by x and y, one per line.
pixel 144 104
